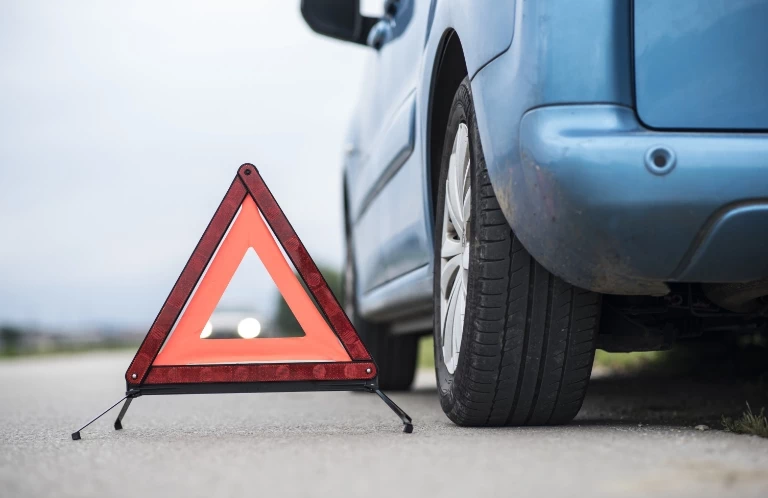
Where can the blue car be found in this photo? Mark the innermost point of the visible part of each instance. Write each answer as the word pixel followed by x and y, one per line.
pixel 530 180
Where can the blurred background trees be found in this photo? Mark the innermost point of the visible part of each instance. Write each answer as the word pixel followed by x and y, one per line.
pixel 10 340
pixel 284 320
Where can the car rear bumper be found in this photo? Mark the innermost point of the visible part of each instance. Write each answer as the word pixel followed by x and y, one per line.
pixel 602 215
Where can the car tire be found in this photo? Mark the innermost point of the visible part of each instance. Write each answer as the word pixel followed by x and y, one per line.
pixel 395 355
pixel 528 338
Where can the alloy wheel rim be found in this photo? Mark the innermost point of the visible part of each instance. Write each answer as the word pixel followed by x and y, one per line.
pixel 454 249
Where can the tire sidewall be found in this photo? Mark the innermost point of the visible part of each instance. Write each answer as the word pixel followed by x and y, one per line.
pixel 462 111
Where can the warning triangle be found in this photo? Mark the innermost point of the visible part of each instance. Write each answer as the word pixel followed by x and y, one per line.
pixel 174 352
pixel 185 347
pixel 175 359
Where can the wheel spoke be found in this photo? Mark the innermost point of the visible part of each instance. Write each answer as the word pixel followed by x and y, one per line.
pixel 461 148
pixel 467 205
pixel 454 200
pixel 449 325
pixel 458 323
pixel 451 247
pixel 448 274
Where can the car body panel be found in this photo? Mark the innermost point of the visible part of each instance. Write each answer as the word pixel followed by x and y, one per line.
pixel 406 300
pixel 486 27
pixel 388 234
pixel 609 219
pixel 732 247
pixel 553 88
pixel 702 65
pixel 389 238
pixel 384 158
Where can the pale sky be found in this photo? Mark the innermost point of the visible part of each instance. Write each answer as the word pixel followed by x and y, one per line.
pixel 122 125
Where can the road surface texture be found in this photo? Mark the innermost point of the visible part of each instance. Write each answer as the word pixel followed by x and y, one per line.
pixel 634 437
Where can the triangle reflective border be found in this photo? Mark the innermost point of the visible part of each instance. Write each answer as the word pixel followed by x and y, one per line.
pixel 172 359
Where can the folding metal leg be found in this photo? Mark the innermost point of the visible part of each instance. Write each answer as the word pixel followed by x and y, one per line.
pixel 407 422
pixel 119 420
pixel 76 434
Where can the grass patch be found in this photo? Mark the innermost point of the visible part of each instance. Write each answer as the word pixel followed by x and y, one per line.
pixel 426 354
pixel 625 362
pixel 749 423
pixel 619 362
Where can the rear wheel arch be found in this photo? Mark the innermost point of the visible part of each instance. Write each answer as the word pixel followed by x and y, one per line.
pixel 448 72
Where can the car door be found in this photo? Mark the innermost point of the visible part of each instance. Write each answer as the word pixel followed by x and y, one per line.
pixel 383 173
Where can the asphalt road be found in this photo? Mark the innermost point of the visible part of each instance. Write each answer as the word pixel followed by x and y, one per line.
pixel 632 438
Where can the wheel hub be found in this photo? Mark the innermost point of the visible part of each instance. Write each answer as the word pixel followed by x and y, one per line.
pixel 454 249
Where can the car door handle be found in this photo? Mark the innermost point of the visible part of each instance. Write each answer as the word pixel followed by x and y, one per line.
pixel 380 33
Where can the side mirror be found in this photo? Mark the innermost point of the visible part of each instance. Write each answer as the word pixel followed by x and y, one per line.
pixel 340 19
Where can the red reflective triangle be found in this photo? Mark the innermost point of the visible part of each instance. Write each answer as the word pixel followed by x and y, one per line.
pixel 330 350
pixel 185 347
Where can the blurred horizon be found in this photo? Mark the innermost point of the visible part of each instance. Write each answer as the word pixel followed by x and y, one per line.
pixel 122 129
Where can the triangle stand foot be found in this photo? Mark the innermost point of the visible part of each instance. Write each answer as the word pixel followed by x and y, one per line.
pixel 407 422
